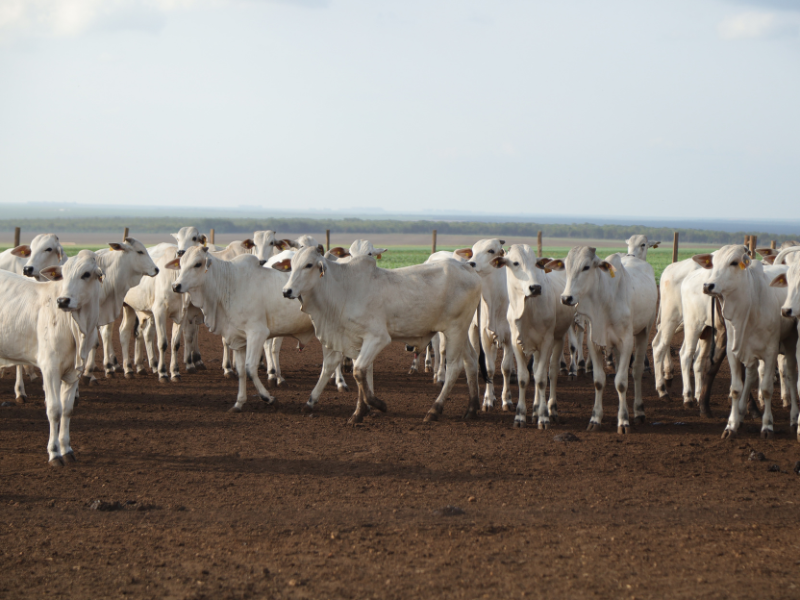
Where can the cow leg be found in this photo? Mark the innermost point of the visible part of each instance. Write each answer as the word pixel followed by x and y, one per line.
pixel 541 371
pixel 19 386
pixel 701 363
pixel 782 377
pixel 414 368
pixel 790 370
pixel 599 376
pixel 735 418
pixel 147 339
pixel 370 348
pixel 639 355
pixel 227 360
pixel 255 343
pixel 160 319
pixel 490 354
pixel 191 332
pixel 110 363
pixel 125 331
pixel 439 351
pixel 429 357
pixel 507 369
pixel 523 379
pixel 174 370
pixel 197 360
pixel 454 342
pixel 691 335
pixel 469 358
pixel 661 358
pixel 274 362
pixel 331 362
pixel 341 384
pixel 621 384
pixel 552 405
pixel 584 362
pixel 52 400
pixel 68 388
pixel 240 356
pixel 571 341
pixel 766 372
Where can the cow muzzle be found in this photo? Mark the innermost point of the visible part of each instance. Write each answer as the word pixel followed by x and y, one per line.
pixel 63 302
pixel 27 271
pixel 787 312
pixel 287 293
pixel 262 262
pixel 568 300
pixel 155 273
pixel 708 288
pixel 180 252
pixel 177 288
pixel 534 290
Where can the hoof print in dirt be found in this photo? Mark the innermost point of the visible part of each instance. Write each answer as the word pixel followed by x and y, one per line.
pixel 566 437
pixel 449 511
pixel 756 456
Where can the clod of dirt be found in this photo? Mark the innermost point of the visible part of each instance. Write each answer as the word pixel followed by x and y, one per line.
pixel 758 456
pixel 566 437
pixel 449 511
pixel 7 403
pixel 774 469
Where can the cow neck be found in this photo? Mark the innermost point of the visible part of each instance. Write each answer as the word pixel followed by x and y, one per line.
pixel 607 295
pixel 737 305
pixel 325 313
pixel 494 292
pixel 214 297
pixel 112 294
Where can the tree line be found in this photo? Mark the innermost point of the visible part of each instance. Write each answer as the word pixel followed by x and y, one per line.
pixel 368 226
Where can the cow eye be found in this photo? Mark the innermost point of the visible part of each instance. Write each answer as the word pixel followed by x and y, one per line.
pixel 642 245
pixel 308 266
pixel 586 268
pixel 735 263
pixel 194 239
pixel 140 251
pixel 370 254
pixel 516 264
pixel 197 266
pixel 86 275
pixel 491 251
pixel 49 250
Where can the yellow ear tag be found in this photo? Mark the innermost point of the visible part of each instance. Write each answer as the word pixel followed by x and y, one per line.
pixel 611 272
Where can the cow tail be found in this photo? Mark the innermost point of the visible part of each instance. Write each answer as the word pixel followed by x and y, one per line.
pixel 136 326
pixel 482 362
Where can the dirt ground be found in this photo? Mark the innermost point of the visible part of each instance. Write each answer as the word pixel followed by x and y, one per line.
pixel 271 503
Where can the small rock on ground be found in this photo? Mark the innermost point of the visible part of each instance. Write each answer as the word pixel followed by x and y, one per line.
pixel 774 469
pixel 757 456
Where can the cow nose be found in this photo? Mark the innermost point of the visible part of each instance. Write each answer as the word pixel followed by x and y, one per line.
pixel 786 312
pixel 181 252
pixel 262 262
pixel 157 271
pixel 62 302
pixel 536 290
pixel 566 300
pixel 287 293
pixel 472 263
pixel 176 287
pixel 27 271
pixel 708 288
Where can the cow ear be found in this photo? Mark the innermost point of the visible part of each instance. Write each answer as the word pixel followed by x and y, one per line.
pixel 208 262
pixel 322 268
pixel 174 264
pixel 607 267
pixel 286 244
pixel 320 249
pixel 770 260
pixel 284 265
pixel 554 265
pixel 464 253
pixel 22 251
pixel 99 274
pixel 204 239
pixel 175 235
pixel 704 260
pixel 248 244
pixel 502 242
pixel 745 262
pixel 117 247
pixel 339 252
pixel 779 281
pixel 628 241
pixel 593 250
pixel 205 248
pixel 542 263
pixel 52 273
pixel 653 244
pixel 501 253
pixel 499 262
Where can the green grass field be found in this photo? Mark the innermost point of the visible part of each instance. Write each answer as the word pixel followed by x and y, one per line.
pixel 403 256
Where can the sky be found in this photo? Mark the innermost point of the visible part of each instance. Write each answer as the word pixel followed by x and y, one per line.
pixel 635 108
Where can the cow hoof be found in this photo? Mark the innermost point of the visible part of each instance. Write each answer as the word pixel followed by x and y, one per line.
pixel 665 397
pixel 470 415
pixel 69 457
pixel 639 420
pixel 85 379
pixel 56 462
pixel 191 370
pixel 728 434
pixel 229 375
pixel 141 372
pixel 519 423
pixel 427 369
pixel 623 429
pixel 377 403
pixel 21 399
pixel 163 379
pixel 109 374
pixel 767 434
pixel 175 379
pixel 307 408
pixel 343 388
pixel 593 427
pixel 93 381
pixel 412 371
pixel 571 376
pixel 235 409
pixel 130 375
pixel 355 419
pixel 267 399
pixel 706 412
pixel 544 425
pixel 431 415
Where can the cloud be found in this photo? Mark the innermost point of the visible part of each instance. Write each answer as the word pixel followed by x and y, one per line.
pixel 758 25
pixel 772 4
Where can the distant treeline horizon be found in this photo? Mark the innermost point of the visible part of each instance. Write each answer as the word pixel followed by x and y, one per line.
pixel 352 225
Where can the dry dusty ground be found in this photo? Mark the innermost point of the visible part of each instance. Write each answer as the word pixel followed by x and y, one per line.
pixel 274 504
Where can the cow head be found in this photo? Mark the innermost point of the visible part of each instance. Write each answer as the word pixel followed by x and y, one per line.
pixel 80 279
pixel 638 246
pixel 728 266
pixel 526 272
pixel 480 256
pixel 45 251
pixel 188 237
pixel 584 270
pixel 137 261
pixel 193 266
pixel 307 266
pixel 365 248
pixel 268 245
pixel 790 279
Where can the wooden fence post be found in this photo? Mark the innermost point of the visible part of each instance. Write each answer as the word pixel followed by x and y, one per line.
pixel 753 241
pixel 539 244
pixel 211 235
pixel 675 247
pixel 16 236
pixel 747 241
pixel 327 239
pixel 773 244
pixel 125 234
pixel 433 243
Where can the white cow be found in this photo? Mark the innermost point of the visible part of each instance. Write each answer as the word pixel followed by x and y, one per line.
pixel 638 245
pixel 756 330
pixel 268 245
pixel 538 323
pixel 358 309
pixel 491 328
pixel 790 311
pixel 618 298
pixel 243 303
pixel 43 325
pixel 123 265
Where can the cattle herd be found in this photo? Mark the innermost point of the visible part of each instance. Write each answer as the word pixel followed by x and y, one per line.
pixel 463 306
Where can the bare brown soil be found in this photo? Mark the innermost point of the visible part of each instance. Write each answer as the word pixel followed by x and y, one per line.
pixel 275 504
